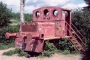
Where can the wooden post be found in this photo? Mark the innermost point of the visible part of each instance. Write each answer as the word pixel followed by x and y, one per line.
pixel 22 11
pixel 22 2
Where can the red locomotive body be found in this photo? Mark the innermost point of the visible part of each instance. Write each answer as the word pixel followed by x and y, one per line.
pixel 49 23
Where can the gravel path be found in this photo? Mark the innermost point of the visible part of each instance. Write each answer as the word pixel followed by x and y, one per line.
pixel 54 57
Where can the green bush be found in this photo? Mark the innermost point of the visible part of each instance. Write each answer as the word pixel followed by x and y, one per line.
pixel 22 53
pixel 63 47
pixel 49 49
pixel 66 47
pixel 9 53
pixel 5 15
pixel 66 52
pixel 47 53
pixel 7 43
pixel 50 46
pixel 6 46
pixel 19 52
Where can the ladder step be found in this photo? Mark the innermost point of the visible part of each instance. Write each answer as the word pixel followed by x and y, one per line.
pixel 74 36
pixel 74 41
pixel 77 45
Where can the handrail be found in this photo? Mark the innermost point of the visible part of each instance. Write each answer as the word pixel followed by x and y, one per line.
pixel 76 34
pixel 79 32
pixel 70 41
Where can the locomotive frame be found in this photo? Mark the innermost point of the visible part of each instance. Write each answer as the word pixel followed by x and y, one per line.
pixel 49 23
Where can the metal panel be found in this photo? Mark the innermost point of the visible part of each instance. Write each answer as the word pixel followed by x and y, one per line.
pixel 29 27
pixel 58 29
pixel 47 28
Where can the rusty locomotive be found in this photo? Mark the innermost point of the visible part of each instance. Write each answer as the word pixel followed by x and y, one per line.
pixel 49 23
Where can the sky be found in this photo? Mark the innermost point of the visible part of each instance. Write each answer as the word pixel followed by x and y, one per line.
pixel 30 5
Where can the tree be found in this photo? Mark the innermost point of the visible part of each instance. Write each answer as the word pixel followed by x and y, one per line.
pixel 5 15
pixel 28 17
pixel 16 16
pixel 81 19
pixel 87 2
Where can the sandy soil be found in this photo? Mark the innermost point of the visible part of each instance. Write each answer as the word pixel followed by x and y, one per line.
pixel 54 57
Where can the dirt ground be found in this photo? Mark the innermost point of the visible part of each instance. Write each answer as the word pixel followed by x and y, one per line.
pixel 54 57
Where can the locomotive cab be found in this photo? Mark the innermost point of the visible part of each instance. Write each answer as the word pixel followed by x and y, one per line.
pixel 52 22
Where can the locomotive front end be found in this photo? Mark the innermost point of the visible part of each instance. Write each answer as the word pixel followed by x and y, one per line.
pixel 28 39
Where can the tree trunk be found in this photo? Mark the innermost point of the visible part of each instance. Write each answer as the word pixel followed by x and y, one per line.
pixel 22 11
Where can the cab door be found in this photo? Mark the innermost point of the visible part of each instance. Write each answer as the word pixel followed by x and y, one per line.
pixel 58 29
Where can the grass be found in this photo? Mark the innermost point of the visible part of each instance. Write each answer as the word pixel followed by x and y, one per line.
pixel 6 46
pixel 50 49
pixel 14 22
pixel 19 52
pixel 9 53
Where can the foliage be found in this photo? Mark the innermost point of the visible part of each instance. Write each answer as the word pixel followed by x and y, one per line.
pixel 5 15
pixel 65 47
pixel 7 43
pixel 6 46
pixel 27 17
pixel 50 46
pixel 10 29
pixel 21 52
pixel 10 53
pixel 16 51
pixel 16 16
pixel 66 52
pixel 87 2
pixel 47 53
pixel 50 49
pixel 81 20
